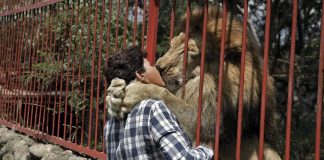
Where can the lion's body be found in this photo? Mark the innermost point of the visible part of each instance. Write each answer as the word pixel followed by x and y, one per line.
pixel 186 109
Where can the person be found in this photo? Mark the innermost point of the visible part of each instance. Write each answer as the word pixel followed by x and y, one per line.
pixel 150 130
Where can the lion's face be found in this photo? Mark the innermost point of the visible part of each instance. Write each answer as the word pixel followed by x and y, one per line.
pixel 170 64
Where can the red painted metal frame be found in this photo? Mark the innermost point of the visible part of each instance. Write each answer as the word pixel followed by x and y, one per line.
pixel 30 7
pixel 291 79
pixel 320 92
pixel 220 80
pixel 242 78
pixel 264 79
pixel 152 30
pixel 202 72
pixel 185 52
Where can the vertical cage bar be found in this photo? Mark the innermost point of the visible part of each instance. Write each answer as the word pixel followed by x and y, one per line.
pixel 202 70
pixel 185 52
pixel 92 71
pixel 70 21
pixel 117 26
pixel 320 92
pixel 143 25
pixel 242 77
pixel 152 30
pixel 75 18
pixel 291 79
pixel 135 22
pixel 99 69
pixel 106 61
pixel 125 24
pixel 220 80
pixel 264 78
pixel 85 73
pixel 173 14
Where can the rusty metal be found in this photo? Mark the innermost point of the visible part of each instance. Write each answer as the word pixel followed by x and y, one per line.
pixel 264 78
pixel 242 77
pixel 291 79
pixel 320 92
pixel 220 81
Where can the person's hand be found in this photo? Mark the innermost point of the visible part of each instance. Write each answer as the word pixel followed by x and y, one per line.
pixel 114 99
pixel 137 91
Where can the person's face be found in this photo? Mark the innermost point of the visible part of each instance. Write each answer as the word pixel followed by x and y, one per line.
pixel 151 75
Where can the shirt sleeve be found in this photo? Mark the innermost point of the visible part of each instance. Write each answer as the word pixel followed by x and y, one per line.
pixel 169 137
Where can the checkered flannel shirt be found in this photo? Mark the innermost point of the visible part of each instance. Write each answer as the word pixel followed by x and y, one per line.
pixel 150 132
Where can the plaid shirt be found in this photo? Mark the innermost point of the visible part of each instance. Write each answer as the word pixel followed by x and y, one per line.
pixel 150 132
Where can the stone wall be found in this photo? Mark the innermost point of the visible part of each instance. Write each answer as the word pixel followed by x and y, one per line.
pixel 15 146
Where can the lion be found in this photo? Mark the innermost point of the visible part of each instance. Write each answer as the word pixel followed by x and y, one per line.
pixel 185 109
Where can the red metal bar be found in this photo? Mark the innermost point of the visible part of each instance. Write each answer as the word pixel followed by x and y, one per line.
pixel 92 72
pixel 73 68
pixel 10 65
pixel 85 73
pixel 19 50
pixel 320 92
pixel 79 66
pixel 56 76
pixel 47 19
pixel 264 79
pixel 36 61
pixel 135 22
pixel 40 47
pixel 20 68
pixel 29 35
pixel 61 86
pixel 185 52
pixel 48 38
pixel 125 24
pixel 291 79
pixel 30 7
pixel 143 24
pixel 152 30
pixel 68 71
pixel 106 61
pixel 173 14
pixel 98 73
pixel 242 77
pixel 220 80
pixel 117 27
pixel 50 51
pixel 202 70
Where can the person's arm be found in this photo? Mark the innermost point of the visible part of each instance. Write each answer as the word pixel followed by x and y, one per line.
pixel 169 137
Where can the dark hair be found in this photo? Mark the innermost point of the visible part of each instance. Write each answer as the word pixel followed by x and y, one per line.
pixel 124 63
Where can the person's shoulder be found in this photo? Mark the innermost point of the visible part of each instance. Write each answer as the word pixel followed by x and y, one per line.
pixel 152 104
